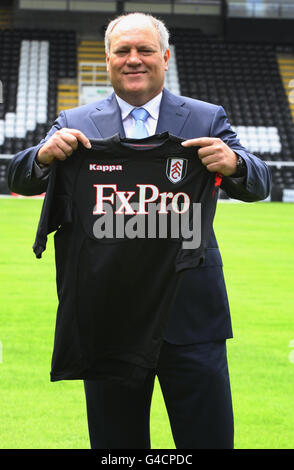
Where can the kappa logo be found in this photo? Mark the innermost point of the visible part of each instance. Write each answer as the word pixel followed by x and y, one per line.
pixel 104 168
pixel 176 169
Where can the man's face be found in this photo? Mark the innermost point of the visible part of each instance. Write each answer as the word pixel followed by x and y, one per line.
pixel 135 63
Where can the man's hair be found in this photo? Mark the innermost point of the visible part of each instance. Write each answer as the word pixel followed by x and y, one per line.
pixel 135 21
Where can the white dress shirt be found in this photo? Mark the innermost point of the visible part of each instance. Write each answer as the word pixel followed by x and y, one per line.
pixel 151 106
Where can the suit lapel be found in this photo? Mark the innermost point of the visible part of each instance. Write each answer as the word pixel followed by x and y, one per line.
pixel 172 114
pixel 107 118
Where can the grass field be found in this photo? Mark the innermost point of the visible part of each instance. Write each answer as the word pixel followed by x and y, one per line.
pixel 257 245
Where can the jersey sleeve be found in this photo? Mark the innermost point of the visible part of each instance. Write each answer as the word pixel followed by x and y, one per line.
pixel 56 211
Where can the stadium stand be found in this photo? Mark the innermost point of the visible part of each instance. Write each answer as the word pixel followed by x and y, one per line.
pixel 39 71
pixel 246 79
pixel 172 78
pixel 31 64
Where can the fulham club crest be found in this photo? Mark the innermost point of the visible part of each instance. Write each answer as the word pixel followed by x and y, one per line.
pixel 176 169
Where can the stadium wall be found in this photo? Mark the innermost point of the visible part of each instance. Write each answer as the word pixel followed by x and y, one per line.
pixel 94 23
pixel 262 30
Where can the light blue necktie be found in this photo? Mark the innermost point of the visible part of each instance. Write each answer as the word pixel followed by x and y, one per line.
pixel 139 130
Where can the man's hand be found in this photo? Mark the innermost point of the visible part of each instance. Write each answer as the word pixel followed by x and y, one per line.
pixel 61 145
pixel 214 154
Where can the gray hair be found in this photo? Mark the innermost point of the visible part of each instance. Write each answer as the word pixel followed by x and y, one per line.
pixel 159 25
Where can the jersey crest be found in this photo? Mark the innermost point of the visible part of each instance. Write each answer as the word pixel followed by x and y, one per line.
pixel 176 169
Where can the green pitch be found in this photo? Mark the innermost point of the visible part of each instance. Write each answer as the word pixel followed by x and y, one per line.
pixel 257 245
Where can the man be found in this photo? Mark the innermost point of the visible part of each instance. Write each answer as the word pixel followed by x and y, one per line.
pixel 192 368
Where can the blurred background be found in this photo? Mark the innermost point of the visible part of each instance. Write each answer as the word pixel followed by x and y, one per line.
pixel 239 54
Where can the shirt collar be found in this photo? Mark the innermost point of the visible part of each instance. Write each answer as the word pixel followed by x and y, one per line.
pixel 151 106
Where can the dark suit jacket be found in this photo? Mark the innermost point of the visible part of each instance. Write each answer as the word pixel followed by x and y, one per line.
pixel 201 311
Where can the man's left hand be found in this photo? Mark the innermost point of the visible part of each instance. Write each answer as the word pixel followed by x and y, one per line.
pixel 217 156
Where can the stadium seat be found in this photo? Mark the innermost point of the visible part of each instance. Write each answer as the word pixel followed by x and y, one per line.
pixel 31 59
pixel 245 80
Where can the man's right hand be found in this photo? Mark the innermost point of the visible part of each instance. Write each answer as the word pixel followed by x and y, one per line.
pixel 61 145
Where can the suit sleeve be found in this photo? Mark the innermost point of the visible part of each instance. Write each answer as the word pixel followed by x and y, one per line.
pixel 257 184
pixel 21 175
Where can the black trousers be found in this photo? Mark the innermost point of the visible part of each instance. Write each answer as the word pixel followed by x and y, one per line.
pixel 194 380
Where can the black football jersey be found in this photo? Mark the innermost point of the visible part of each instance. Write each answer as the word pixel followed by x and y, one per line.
pixel 129 216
